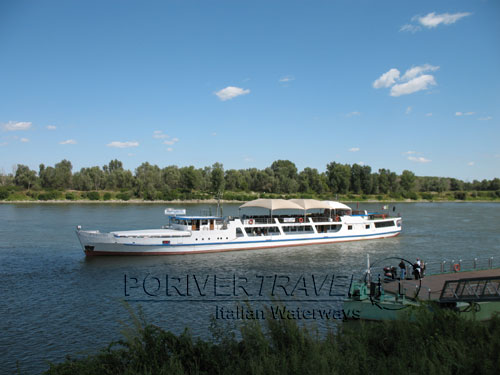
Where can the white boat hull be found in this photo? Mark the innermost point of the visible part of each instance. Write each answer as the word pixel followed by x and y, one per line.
pixel 170 242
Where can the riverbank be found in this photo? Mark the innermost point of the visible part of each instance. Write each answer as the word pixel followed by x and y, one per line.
pixel 441 342
pixel 225 201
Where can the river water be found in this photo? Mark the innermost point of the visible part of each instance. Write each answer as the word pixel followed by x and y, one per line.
pixel 54 301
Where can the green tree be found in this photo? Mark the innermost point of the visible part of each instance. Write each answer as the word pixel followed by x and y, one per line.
pixel 217 178
pixel 339 177
pixel 355 185
pixel 191 178
pixel 25 177
pixel 285 176
pixel 62 171
pixel 171 177
pixel 407 180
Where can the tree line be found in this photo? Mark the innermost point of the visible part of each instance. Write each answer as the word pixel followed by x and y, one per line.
pixel 281 177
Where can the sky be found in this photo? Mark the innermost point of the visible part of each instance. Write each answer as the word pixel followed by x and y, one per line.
pixel 391 84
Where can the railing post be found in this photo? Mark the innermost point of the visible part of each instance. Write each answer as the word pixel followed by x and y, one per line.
pixel 429 294
pixel 451 265
pixel 460 263
pixel 475 263
pixel 442 266
pixel 490 261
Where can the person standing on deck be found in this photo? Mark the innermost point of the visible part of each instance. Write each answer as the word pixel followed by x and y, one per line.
pixel 402 270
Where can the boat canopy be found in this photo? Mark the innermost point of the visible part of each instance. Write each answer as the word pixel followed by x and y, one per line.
pixel 273 204
pixel 337 205
pixel 309 204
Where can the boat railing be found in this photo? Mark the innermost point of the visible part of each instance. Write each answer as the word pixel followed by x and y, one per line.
pixel 457 265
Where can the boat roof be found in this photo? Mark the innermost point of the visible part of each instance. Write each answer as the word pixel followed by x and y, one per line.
pixel 333 205
pixel 294 204
pixel 309 204
pixel 273 204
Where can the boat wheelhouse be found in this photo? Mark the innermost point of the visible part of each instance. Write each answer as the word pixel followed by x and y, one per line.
pixel 295 222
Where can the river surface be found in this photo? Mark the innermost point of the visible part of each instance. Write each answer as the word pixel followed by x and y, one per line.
pixel 54 301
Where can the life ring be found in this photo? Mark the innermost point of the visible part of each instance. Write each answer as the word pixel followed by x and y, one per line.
pixel 301 220
pixel 456 267
pixel 250 221
pixel 337 218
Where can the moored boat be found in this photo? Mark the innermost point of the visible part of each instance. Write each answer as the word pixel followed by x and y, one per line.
pixel 330 222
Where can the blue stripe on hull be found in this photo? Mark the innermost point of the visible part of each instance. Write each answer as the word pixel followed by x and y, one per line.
pixel 265 241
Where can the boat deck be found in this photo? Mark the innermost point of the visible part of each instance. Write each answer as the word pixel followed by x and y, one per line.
pixel 435 283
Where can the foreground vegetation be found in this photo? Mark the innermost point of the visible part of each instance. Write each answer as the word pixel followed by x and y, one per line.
pixel 437 343
pixel 282 179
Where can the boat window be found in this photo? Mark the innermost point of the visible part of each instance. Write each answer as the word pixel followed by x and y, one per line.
pixel 383 224
pixel 204 222
pixel 349 227
pixel 297 229
pixel 367 226
pixel 262 231
pixel 239 232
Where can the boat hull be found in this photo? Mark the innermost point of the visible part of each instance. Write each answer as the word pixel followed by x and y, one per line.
pixel 104 244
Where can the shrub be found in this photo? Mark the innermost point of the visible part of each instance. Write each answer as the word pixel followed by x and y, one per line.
pixel 93 195
pixel 106 196
pixel 124 196
pixel 4 193
pixel 427 196
pixel 49 196
pixel 70 196
pixel 460 195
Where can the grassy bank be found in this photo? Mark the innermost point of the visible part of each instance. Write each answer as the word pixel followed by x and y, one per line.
pixel 437 343
pixel 17 195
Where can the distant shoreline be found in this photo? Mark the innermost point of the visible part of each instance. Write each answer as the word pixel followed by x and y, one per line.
pixel 214 201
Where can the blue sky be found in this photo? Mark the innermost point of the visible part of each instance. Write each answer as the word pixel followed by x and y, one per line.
pixel 391 84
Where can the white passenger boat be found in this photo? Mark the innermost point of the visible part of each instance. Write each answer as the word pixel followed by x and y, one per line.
pixel 185 234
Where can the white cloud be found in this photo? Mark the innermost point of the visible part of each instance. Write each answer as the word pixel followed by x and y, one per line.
pixel 172 141
pixel 354 149
pixel 418 70
pixel 464 113
pixel 470 164
pixel 428 114
pixel 170 149
pixel 248 159
pixel 410 28
pixel 158 134
pixel 119 144
pixel 487 118
pixel 408 110
pixel 231 92
pixel 409 152
pixel 387 79
pixel 416 84
pixel 412 81
pixel 68 142
pixel 214 134
pixel 287 79
pixel 3 144
pixel 355 113
pixel 418 159
pixel 24 140
pixel 51 127
pixel 13 126
pixel 432 20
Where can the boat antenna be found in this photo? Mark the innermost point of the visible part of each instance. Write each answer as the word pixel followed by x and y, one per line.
pixel 219 194
pixel 368 267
